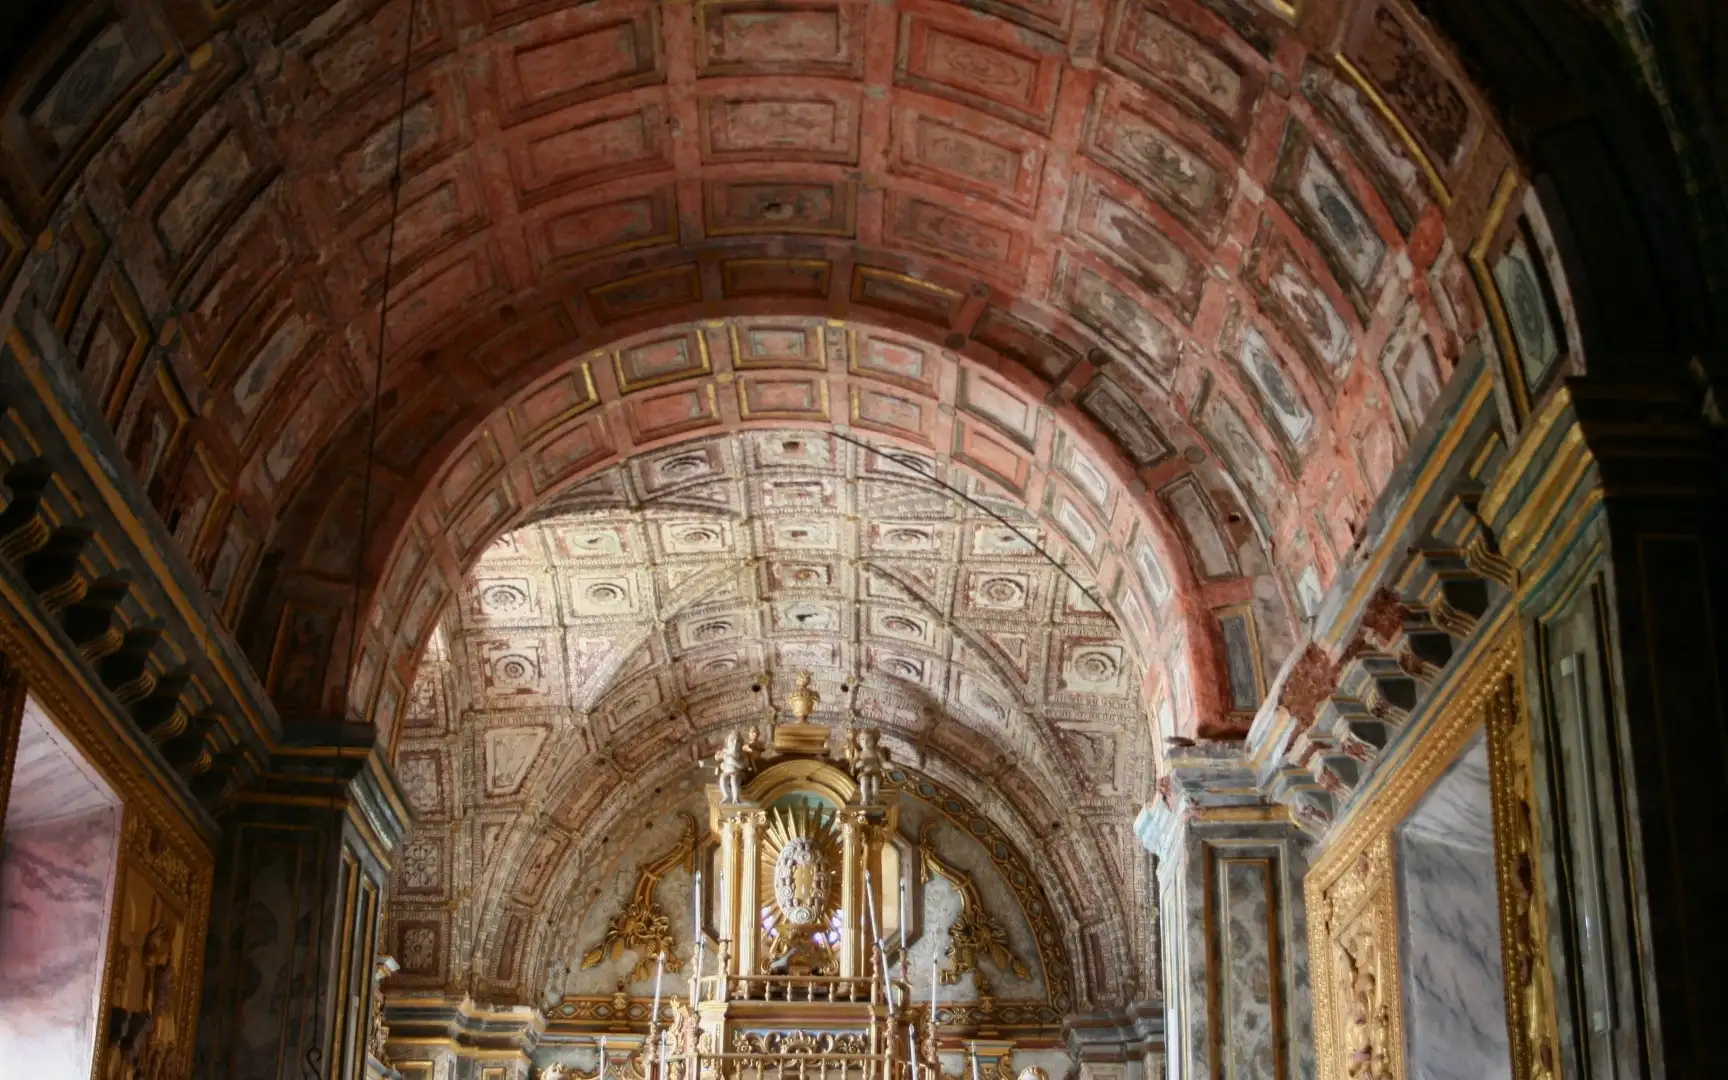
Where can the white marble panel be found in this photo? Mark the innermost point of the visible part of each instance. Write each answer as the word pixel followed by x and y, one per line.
pixel 50 778
pixel 57 864
pixel 56 886
pixel 1454 1001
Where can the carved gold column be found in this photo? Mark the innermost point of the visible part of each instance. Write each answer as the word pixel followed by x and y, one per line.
pixel 749 824
pixel 852 845
pixel 1530 1015
pixel 730 875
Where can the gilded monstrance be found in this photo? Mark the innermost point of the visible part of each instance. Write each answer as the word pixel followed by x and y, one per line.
pixel 801 865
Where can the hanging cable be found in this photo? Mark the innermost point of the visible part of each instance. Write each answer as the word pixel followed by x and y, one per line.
pixel 313 1059
pixel 916 467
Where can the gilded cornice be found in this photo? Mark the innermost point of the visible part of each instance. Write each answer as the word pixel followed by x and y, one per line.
pixel 65 686
pixel 1542 474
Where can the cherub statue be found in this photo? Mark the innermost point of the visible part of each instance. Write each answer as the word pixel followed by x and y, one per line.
pixel 736 757
pixel 869 762
pixel 557 1071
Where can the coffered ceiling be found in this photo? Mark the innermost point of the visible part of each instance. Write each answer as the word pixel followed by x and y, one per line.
pixel 1221 244
pixel 598 655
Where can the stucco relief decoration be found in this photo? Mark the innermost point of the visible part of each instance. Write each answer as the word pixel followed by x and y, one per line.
pixel 641 926
pixel 419 948
pixel 973 933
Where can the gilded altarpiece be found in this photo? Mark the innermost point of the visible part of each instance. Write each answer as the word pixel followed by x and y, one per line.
pixel 1353 902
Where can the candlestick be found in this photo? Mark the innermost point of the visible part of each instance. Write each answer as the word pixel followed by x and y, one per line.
pixel 696 976
pixel 663 1038
pixel 659 972
pixel 600 1074
pixel 912 1048
pixel 932 986
pixel 697 936
pixel 974 1061
pixel 876 934
pixel 904 916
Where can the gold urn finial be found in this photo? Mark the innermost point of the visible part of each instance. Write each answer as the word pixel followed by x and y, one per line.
pixel 802 700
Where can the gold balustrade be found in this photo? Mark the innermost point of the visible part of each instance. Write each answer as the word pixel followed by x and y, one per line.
pixel 831 989
pixel 788 1066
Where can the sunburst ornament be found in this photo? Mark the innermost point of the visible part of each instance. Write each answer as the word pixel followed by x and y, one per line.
pixel 801 863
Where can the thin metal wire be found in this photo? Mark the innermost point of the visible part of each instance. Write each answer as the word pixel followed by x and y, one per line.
pixel 313 1059
pixel 914 466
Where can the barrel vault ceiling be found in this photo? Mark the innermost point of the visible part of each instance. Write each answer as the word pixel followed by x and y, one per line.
pixel 1220 244
pixel 595 657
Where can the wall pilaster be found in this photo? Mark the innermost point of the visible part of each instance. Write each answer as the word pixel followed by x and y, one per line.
pixel 1230 868
pixel 301 885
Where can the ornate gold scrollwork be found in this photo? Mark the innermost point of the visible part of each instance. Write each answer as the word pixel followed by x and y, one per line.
pixel 378 1032
pixel 1357 1004
pixel 148 964
pixel 973 931
pixel 641 925
pixel 1523 921
pixel 800 868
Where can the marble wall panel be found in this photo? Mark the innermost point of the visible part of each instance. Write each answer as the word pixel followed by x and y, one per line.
pixel 1246 954
pixel 56 885
pixel 1454 997
pixel 1235 974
